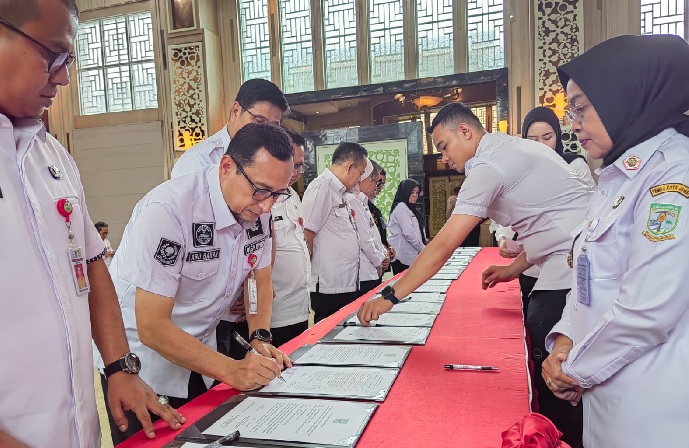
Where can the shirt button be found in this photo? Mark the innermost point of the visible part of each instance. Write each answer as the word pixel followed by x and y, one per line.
pixel 603 192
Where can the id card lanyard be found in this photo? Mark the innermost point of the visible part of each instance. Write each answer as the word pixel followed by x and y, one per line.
pixel 75 253
pixel 251 283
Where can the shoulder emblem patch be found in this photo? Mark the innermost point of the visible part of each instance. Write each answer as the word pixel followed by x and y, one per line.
pixel 670 188
pixel 167 252
pixel 662 222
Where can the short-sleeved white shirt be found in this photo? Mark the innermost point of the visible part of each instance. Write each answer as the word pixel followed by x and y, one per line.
pixel 46 378
pixel 292 265
pixel 183 242
pixel 335 260
pixel 202 154
pixel 405 234
pixel 372 252
pixel 516 183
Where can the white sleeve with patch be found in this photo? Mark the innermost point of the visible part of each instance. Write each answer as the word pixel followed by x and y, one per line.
pixel 478 191
pixel 317 204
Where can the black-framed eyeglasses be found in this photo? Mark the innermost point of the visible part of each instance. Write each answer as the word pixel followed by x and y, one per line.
pixel 258 118
pixel 261 194
pixel 379 183
pixel 301 168
pixel 56 60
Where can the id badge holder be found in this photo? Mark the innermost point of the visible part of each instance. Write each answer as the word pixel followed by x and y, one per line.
pixel 583 276
pixel 77 262
pixel 251 285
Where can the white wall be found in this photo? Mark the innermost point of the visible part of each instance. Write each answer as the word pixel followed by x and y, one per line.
pixel 118 165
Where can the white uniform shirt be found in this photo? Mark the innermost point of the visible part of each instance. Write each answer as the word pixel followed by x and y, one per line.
pixel 518 184
pixel 404 234
pixel 631 343
pixel 46 379
pixel 583 171
pixel 202 154
pixel 292 266
pixel 335 260
pixel 372 252
pixel 183 242
pixel 108 248
pixel 508 233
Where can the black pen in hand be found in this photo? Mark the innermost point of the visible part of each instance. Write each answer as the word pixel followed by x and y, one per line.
pixel 249 347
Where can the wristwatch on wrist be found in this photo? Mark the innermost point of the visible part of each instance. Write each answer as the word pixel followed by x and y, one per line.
pixel 262 335
pixel 129 363
pixel 388 293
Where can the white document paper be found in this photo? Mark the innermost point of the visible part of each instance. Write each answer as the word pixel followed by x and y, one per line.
pixel 417 307
pixel 363 383
pixel 328 422
pixel 410 335
pixel 399 320
pixel 434 297
pixel 432 288
pixel 204 445
pixel 437 282
pixel 355 354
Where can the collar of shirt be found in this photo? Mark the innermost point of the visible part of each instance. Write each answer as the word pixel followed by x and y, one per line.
pixel 24 130
pixel 221 211
pixel 644 151
pixel 485 146
pixel 338 184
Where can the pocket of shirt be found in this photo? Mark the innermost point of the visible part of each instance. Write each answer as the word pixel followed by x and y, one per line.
pixel 281 229
pixel 342 218
pixel 602 247
pixel 199 270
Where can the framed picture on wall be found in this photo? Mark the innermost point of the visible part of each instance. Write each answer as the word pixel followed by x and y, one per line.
pixel 181 15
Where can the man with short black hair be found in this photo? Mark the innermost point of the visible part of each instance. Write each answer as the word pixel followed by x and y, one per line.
pixel 258 101
pixel 516 183
pixel 331 233
pixel 190 246
pixel 57 295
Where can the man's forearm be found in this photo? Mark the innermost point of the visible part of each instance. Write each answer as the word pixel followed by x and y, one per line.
pixel 106 317
pixel 520 264
pixel 7 441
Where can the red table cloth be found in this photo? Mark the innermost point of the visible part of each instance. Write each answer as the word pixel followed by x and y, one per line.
pixel 429 406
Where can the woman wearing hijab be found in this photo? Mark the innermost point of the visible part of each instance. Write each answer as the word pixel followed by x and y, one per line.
pixel 407 236
pixel 623 338
pixel 543 126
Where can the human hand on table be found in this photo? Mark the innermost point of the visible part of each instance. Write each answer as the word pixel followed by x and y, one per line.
pixel 372 309
pixel 504 251
pixel 127 392
pixel 562 386
pixel 497 274
pixel 267 350
pixel 252 372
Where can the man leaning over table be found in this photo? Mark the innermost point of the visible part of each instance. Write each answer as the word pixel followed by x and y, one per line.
pixel 517 184
pixel 190 245
pixel 56 292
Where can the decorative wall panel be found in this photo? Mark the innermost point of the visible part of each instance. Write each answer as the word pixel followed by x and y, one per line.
pixel 255 40
pixel 663 17
pixel 339 40
pixel 187 78
pixel 297 46
pixel 486 34
pixel 387 40
pixel 435 37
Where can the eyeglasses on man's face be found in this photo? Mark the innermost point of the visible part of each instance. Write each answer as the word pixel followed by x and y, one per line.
pixel 261 194
pixel 576 111
pixel 300 167
pixel 258 118
pixel 55 60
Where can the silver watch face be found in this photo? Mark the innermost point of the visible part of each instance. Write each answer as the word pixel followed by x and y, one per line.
pixel 132 363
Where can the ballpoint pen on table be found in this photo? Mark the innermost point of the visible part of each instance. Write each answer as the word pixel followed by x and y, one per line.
pixel 223 440
pixel 467 367
pixel 247 346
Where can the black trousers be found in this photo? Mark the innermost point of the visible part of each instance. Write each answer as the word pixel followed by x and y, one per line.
pixel 526 284
pixel 545 310
pixel 366 286
pixel 325 305
pixel 288 332
pixel 196 387
pixel 398 267
pixel 226 343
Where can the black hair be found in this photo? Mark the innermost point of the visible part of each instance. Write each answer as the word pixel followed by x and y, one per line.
pixel 455 191
pixel 256 90
pixel 377 167
pixel 100 224
pixel 296 137
pixel 451 115
pixel 254 136
pixel 18 12
pixel 350 152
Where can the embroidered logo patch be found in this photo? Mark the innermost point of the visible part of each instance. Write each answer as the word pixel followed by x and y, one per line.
pixel 662 222
pixel 167 252
pixel 203 233
pixel 256 230
pixel 203 255
pixel 670 188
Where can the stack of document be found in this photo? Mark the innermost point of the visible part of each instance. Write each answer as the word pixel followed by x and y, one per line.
pixel 352 355
pixel 377 335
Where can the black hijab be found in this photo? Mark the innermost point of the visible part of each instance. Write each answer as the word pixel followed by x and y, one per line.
pixel 639 85
pixel 402 195
pixel 546 115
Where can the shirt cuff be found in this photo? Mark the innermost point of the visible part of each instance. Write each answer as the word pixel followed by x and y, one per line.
pixel 567 370
pixel 560 328
pixel 463 208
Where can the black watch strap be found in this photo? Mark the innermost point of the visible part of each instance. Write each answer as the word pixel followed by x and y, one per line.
pixel 262 335
pixel 389 294
pixel 129 363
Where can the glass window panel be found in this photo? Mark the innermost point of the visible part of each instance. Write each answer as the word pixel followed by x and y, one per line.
pixel 297 49
pixel 663 17
pixel 115 64
pixel 485 34
pixel 255 38
pixel 339 35
pixel 436 51
pixel 387 40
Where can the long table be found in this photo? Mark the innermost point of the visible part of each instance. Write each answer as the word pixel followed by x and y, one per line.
pixel 427 405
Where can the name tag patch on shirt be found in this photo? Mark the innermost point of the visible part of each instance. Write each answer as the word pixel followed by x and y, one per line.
pixel 167 252
pixel 256 245
pixel 662 222
pixel 203 255
pixel 670 188
pixel 277 218
pixel 256 230
pixel 583 271
pixel 203 233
